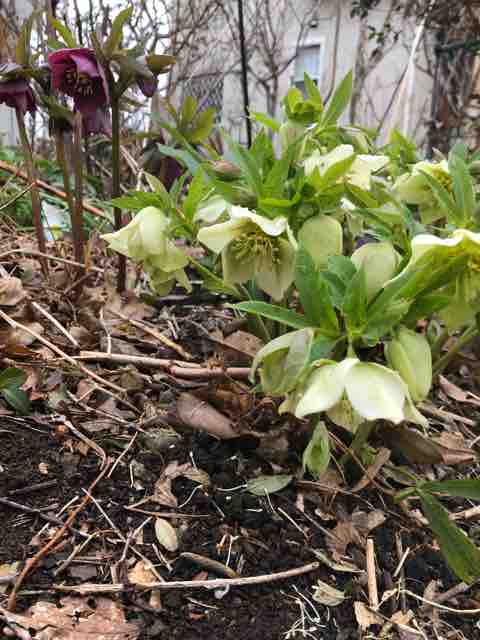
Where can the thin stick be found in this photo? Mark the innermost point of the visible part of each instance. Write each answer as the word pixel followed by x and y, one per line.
pixel 32 562
pixel 457 612
pixel 48 187
pixel 173 367
pixel 34 487
pixel 68 561
pixel 116 191
pixel 55 322
pixel 123 454
pixel 59 352
pixel 36 204
pixel 371 575
pixel 217 583
pixel 30 252
pixel 93 445
pixel 40 514
pixel 156 334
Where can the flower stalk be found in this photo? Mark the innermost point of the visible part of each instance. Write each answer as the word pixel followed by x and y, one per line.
pixel 466 337
pixel 117 213
pixel 77 218
pixel 34 193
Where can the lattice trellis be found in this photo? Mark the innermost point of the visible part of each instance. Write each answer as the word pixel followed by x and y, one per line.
pixel 207 89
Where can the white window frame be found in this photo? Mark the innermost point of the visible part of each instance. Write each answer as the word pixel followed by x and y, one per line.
pixel 296 79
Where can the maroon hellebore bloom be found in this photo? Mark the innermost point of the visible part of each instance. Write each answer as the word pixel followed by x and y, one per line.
pixel 96 121
pixel 147 86
pixel 77 73
pixel 18 94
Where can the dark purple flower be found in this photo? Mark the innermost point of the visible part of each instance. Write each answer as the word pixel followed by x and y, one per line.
pixel 77 73
pixel 18 94
pixel 97 121
pixel 147 86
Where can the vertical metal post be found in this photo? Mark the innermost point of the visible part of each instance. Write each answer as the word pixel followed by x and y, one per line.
pixel 243 55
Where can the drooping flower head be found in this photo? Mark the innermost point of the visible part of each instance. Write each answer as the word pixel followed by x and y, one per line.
pixel 77 73
pixel 253 247
pixel 414 188
pixel 15 89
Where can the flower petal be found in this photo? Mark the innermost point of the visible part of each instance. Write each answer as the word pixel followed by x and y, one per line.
pixel 274 227
pixel 376 392
pixel 324 387
pixel 218 236
pixel 275 278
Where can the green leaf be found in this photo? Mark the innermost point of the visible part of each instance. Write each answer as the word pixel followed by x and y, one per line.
pixel 469 488
pixel 22 49
pixel 461 554
pixel 266 121
pixel 268 484
pixel 425 306
pixel 355 301
pixel 64 31
pixel 184 156
pixel 203 126
pixel 316 456
pixel 17 399
pixel 196 191
pixel 339 101
pixel 314 294
pixel 116 32
pixel 279 314
pixel 312 90
pixel 188 111
pixel 462 186
pixel 445 201
pixel 343 267
pixel 159 63
pixel 246 161
pixel 12 377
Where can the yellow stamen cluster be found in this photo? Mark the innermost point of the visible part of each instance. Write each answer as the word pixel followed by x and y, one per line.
pixel 82 82
pixel 256 244
pixel 444 178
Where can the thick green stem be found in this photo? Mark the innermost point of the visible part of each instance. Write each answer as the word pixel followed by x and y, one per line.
pixel 361 437
pixel 34 194
pixel 466 337
pixel 122 261
pixel 62 161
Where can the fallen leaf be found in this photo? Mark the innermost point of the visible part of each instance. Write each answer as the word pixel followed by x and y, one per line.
pixel 13 338
pixel 372 470
pixel 327 595
pixel 75 619
pixel 8 570
pixel 200 415
pixel 141 573
pixel 365 617
pixel 353 530
pixel 456 393
pixel 83 571
pixel 268 484
pixel 454 449
pixel 166 534
pixel 238 348
pixel 346 567
pixel 11 291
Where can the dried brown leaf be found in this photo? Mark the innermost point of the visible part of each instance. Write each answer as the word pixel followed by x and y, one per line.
pixel 365 617
pixel 141 573
pixel 200 415
pixel 166 534
pixel 372 470
pixel 327 595
pixel 11 292
pixel 354 530
pixel 456 393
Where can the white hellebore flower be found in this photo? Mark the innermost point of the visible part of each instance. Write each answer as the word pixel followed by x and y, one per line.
pixel 253 247
pixel 374 391
pixel 465 289
pixel 145 239
pixel 211 209
pixel 360 171
pixel 414 188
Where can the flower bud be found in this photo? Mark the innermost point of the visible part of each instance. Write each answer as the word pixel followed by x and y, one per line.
pixel 322 237
pixel 409 353
pixel 243 197
pixel 225 170
pixel 380 263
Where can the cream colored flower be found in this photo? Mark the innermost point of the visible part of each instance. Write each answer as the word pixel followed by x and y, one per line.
pixel 414 188
pixel 253 247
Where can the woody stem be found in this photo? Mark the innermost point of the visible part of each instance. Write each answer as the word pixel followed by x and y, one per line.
pixel 117 213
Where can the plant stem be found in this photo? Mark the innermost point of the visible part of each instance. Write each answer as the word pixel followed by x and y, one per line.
pixel 122 261
pixel 62 161
pixel 437 346
pixel 35 197
pixel 361 437
pixel 77 217
pixel 466 337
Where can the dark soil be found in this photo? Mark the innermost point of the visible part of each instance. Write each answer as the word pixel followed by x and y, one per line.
pixel 264 540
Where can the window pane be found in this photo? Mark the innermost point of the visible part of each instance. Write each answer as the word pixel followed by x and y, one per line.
pixel 307 61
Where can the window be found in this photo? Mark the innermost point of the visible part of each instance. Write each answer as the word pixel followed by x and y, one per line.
pixel 207 89
pixel 308 60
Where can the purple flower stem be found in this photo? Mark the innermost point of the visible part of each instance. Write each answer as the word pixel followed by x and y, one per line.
pixel 34 194
pixel 77 218
pixel 117 213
